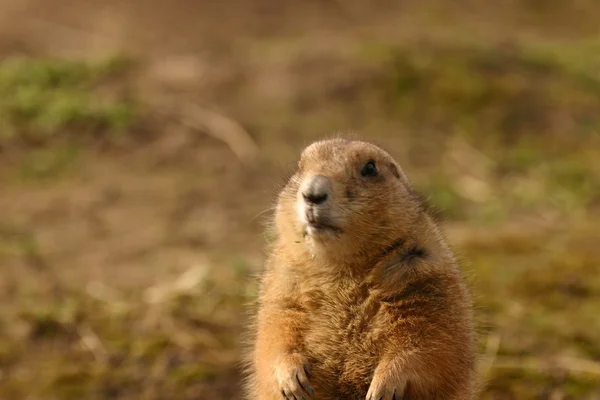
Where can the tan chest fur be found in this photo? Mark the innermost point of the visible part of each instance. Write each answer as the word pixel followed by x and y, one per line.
pixel 344 334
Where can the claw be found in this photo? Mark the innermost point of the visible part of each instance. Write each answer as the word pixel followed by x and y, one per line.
pixel 307 371
pixel 306 387
pixel 290 396
pixel 293 377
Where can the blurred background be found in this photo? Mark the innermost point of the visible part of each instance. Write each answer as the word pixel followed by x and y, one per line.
pixel 142 144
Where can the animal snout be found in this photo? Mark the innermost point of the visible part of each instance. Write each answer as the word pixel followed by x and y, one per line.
pixel 316 189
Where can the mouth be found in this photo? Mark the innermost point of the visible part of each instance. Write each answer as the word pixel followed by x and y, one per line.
pixel 318 221
pixel 317 228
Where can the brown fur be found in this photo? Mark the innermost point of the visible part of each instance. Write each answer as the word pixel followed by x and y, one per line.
pixel 376 307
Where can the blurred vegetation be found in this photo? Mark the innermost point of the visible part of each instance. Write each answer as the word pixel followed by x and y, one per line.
pixel 100 343
pixel 41 99
pixel 503 138
pixel 509 90
pixel 51 107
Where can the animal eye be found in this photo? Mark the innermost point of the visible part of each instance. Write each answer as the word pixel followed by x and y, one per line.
pixel 369 169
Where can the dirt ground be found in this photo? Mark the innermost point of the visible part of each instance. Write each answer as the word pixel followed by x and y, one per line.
pixel 124 271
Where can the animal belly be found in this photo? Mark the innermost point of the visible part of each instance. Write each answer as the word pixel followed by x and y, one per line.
pixel 343 353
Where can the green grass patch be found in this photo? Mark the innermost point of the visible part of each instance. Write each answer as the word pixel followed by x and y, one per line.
pixel 507 90
pixel 42 99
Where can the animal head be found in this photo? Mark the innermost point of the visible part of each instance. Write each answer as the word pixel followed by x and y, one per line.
pixel 346 197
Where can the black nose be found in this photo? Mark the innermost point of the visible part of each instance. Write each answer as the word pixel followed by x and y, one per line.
pixel 315 198
pixel 316 190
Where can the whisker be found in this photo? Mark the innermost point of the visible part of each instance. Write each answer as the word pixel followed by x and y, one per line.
pixel 262 212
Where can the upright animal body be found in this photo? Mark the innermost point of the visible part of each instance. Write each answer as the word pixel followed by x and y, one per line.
pixel 361 297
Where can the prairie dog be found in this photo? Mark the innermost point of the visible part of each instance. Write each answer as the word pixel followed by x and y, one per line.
pixel 361 297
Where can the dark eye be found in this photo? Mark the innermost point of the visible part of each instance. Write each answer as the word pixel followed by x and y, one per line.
pixel 369 169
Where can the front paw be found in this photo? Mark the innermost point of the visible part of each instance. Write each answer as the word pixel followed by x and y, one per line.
pixel 292 373
pixel 386 388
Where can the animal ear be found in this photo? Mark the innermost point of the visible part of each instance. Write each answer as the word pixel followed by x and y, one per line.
pixel 398 173
pixel 394 170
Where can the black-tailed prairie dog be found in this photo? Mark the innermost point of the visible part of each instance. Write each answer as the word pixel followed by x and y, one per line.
pixel 361 297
